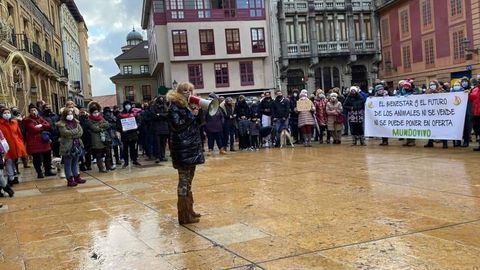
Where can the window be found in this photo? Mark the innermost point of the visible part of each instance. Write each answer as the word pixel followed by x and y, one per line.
pixel 180 42
pixel 387 61
pixel 207 43
pixel 302 29
pixel 233 40
pixel 429 51
pixel 246 73
pixel 455 7
pixel 385 29
pixel 291 38
pixel 343 27
pixel 144 69
pixel 127 70
pixel 406 57
pixel 129 93
pixel 327 78
pixel 320 29
pixel 331 28
pixel 255 6
pixel 147 92
pixel 221 75
pixel 356 25
pixel 368 27
pixel 458 49
pixel 258 39
pixel 176 9
pixel 404 24
pixel 203 8
pixel 195 75
pixel 158 6
pixel 426 13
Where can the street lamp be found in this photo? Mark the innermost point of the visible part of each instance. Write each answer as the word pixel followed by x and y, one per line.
pixel 174 84
pixel 465 43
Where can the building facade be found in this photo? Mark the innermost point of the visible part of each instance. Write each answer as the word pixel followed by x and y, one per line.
pixel 134 82
pixel 86 82
pixel 220 46
pixel 71 50
pixel 429 39
pixel 36 34
pixel 326 44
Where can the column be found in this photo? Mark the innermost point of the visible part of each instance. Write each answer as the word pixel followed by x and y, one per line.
pixel 283 35
pixel 362 29
pixel 312 33
pixel 337 29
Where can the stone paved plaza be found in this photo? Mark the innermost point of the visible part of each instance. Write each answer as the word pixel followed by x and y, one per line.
pixel 327 207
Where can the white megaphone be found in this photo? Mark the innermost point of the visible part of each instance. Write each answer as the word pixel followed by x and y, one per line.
pixel 210 105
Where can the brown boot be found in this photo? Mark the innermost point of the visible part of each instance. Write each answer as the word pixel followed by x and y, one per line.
pixel 184 215
pixel 190 202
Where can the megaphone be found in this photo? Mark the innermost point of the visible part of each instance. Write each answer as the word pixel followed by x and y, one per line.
pixel 210 105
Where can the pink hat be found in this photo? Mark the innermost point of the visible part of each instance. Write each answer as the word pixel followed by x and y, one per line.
pixel 407 85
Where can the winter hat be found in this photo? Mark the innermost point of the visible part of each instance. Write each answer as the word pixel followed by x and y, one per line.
pixel 304 93
pixel 407 85
pixel 127 102
pixel 92 109
pixel 474 82
pixel 334 95
pixel 107 109
pixel 31 106
pixel 379 87
pixel 354 89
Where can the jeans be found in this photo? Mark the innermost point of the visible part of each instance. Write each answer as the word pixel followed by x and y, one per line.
pixel 45 158
pixel 3 183
pixel 10 167
pixel 129 146
pixel 229 135
pixel 160 145
pixel 71 166
pixel 279 125
pixel 214 137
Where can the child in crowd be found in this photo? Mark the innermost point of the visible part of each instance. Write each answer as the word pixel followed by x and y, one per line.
pixel 255 133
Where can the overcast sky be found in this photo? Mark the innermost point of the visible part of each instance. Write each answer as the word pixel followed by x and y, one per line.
pixel 108 24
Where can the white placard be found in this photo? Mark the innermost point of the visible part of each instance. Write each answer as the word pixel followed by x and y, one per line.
pixel 432 116
pixel 128 124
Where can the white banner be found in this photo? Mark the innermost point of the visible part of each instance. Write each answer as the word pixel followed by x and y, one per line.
pixel 433 116
pixel 128 124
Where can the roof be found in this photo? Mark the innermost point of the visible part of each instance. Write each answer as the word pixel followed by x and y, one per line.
pixel 131 76
pixel 134 35
pixel 73 10
pixel 106 101
pixel 137 52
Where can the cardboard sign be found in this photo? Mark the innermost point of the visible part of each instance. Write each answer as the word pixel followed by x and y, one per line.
pixel 128 124
pixel 304 105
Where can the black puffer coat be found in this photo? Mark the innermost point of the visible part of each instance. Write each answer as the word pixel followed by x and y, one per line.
pixel 185 141
pixel 159 112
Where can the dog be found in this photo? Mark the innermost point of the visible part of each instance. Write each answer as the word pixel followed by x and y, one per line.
pixel 284 135
pixel 57 167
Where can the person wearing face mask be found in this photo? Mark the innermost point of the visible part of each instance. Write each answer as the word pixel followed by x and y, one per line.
pixel 4 185
pixel 100 136
pixel 185 148
pixel 354 105
pixel 12 133
pixel 434 88
pixel 71 146
pixel 242 111
pixel 230 121
pixel 334 111
pixel 474 100
pixel 112 120
pixel 380 91
pixel 38 145
pixel 129 137
pixel 293 119
pixel 265 110
pixel 86 159
pixel 18 116
pixel 52 118
pixel 306 119
pixel 464 86
pixel 159 110
pixel 321 115
pixel 280 114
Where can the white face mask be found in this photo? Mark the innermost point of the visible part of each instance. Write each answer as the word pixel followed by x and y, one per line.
pixel 433 87
pixel 464 84
pixel 70 117
pixel 128 107
pixel 96 114
pixel 7 116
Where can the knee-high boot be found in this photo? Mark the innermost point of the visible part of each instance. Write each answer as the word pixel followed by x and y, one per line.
pixel 184 214
pixel 190 201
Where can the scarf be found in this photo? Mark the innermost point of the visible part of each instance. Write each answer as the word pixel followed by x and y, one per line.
pixel 95 118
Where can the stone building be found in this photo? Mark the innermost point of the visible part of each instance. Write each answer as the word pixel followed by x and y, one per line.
pixel 326 44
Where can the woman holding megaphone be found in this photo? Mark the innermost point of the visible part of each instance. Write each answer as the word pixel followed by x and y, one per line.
pixel 185 147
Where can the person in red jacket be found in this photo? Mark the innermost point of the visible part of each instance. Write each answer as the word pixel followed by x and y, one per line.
pixel 13 135
pixel 38 142
pixel 474 99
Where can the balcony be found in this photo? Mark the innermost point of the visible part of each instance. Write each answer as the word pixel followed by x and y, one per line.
pixel 33 9
pixel 327 5
pixel 219 14
pixel 297 50
pixel 36 51
pixel 362 5
pixel 331 48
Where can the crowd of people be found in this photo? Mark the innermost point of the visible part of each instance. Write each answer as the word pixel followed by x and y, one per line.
pixel 82 136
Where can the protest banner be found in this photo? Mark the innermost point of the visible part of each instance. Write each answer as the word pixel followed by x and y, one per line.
pixel 128 124
pixel 432 116
pixel 304 105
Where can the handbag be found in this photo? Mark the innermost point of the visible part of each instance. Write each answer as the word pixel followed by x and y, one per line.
pixel 4 147
pixel 339 119
pixel 77 150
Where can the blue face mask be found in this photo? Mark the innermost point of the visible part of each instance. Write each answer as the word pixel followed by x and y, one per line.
pixel 128 107
pixel 457 88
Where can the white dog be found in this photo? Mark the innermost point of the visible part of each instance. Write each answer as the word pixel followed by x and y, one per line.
pixel 58 167
pixel 284 135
